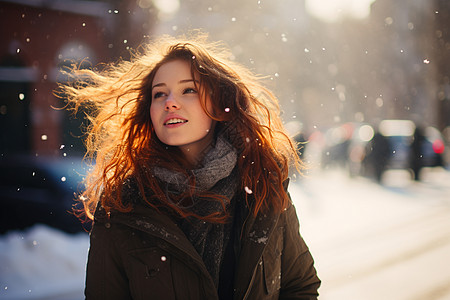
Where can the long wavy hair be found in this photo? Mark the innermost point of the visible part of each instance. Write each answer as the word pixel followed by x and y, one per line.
pixel 121 140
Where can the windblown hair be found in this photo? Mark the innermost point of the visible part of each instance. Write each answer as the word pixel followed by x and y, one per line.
pixel 121 140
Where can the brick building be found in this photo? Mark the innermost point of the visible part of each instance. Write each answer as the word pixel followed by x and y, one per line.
pixel 38 38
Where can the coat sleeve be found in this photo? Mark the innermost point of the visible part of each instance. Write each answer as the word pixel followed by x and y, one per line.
pixel 105 274
pixel 299 279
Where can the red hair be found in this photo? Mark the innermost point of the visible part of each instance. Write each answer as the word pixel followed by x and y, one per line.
pixel 123 143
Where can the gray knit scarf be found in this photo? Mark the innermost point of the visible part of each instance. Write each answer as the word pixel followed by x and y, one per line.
pixel 217 174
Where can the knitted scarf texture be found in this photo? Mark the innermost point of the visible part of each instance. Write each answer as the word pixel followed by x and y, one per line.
pixel 217 174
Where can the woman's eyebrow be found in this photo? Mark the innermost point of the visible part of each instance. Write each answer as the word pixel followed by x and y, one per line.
pixel 188 80
pixel 158 84
pixel 181 81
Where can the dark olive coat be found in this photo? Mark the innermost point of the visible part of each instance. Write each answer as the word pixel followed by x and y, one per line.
pixel 144 255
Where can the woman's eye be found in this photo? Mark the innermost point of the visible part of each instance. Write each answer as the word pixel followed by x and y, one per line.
pixel 189 91
pixel 158 95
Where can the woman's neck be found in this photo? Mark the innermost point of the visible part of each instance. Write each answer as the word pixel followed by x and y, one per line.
pixel 195 152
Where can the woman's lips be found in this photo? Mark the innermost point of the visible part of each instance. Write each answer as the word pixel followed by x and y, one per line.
pixel 174 122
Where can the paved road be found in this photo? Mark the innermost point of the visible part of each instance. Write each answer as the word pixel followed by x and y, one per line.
pixel 378 242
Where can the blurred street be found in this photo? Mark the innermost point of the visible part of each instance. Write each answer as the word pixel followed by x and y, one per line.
pixel 370 241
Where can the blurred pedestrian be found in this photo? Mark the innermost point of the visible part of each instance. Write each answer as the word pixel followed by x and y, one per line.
pixel 378 154
pixel 189 189
pixel 416 155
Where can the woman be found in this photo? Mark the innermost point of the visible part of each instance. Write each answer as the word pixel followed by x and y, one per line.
pixel 189 190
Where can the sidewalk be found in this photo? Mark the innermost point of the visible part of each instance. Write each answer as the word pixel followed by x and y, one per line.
pixel 376 242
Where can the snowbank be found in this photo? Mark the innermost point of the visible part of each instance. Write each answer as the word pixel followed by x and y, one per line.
pixel 42 263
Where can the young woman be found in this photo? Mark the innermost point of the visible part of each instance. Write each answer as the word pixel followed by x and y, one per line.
pixel 189 189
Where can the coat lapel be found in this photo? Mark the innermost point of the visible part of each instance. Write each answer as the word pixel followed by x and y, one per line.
pixel 256 234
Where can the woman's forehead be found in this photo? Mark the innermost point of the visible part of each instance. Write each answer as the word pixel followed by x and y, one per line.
pixel 175 70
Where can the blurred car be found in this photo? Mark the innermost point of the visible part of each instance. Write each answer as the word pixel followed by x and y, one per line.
pixel 399 134
pixel 406 147
pixel 40 190
pixel 432 148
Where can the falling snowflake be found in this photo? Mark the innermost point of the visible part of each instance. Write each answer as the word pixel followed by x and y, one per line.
pixel 247 190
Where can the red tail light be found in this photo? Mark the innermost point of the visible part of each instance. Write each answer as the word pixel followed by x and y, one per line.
pixel 438 146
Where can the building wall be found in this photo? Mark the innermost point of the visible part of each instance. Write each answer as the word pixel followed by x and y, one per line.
pixel 39 38
pixel 407 73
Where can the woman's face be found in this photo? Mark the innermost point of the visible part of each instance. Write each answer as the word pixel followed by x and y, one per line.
pixel 177 115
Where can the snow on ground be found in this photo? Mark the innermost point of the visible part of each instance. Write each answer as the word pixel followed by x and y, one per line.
pixel 42 263
pixel 372 241
pixel 334 210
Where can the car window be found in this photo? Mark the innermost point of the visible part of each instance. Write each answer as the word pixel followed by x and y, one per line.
pixel 24 176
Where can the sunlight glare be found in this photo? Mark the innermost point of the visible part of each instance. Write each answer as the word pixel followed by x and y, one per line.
pixel 335 10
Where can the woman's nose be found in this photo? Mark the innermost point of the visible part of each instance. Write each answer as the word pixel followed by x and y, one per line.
pixel 171 103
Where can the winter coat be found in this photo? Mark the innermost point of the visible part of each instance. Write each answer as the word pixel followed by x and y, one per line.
pixel 143 254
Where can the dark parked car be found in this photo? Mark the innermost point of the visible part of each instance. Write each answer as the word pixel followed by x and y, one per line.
pixel 406 147
pixel 432 148
pixel 40 190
